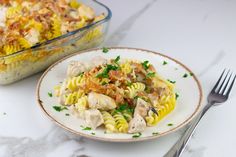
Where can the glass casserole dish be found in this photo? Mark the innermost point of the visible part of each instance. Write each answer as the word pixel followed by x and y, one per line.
pixel 26 62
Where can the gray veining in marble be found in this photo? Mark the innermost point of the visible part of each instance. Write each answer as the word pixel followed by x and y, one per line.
pixel 28 147
pixel 115 38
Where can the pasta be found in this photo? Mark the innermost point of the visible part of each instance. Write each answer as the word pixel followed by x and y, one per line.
pixel 73 98
pixel 26 24
pixel 109 122
pixel 121 123
pixel 124 97
pixel 134 88
pixel 43 20
pixel 81 105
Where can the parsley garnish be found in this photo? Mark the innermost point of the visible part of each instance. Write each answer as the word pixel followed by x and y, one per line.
pixel 87 128
pixel 170 124
pixel 122 107
pixel 185 75
pixel 80 74
pixel 137 135
pixel 60 108
pixel 136 97
pixel 117 59
pixel 131 110
pixel 129 83
pixel 176 96
pixel 105 50
pixel 93 133
pixel 105 72
pixel 49 94
pixel 145 65
pixel 173 82
pixel 67 114
pixel 191 74
pixel 155 133
pixel 151 74
pixel 164 63
pixel 104 83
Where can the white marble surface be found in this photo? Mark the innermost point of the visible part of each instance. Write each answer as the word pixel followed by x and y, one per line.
pixel 200 33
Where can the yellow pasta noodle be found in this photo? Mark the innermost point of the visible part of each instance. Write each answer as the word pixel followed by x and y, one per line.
pixel 134 88
pixel 73 98
pixel 121 123
pixel 109 122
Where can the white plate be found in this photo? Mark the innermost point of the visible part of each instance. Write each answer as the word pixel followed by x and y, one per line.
pixel 188 88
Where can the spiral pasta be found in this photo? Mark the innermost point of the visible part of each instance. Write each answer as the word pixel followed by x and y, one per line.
pixel 11 48
pixel 126 68
pixel 73 98
pixel 109 122
pixel 124 97
pixel 127 115
pixel 81 105
pixel 121 123
pixel 56 26
pixel 152 118
pixel 134 88
pixel 75 82
pixel 24 43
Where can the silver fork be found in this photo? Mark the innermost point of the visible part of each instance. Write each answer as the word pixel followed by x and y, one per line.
pixel 218 94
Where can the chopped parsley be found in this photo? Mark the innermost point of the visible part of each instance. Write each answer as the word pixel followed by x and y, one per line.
pixel 87 128
pixel 60 108
pixel 136 97
pixel 104 83
pixel 151 74
pixel 137 135
pixel 129 83
pixel 145 65
pixel 155 133
pixel 49 94
pixel 122 107
pixel 105 50
pixel 93 133
pixel 164 63
pixel 176 96
pixel 173 82
pixel 80 74
pixel 170 124
pixel 105 72
pixel 131 110
pixel 67 114
pixel 185 75
pixel 117 59
pixel 191 74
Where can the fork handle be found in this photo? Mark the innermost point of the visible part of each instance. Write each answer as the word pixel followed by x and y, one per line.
pixel 177 149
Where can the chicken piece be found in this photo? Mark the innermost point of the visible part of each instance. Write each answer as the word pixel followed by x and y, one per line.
pixel 141 108
pixel 77 67
pixel 62 92
pixel 137 124
pixel 3 11
pixel 93 118
pixel 86 12
pixel 33 36
pixel 101 101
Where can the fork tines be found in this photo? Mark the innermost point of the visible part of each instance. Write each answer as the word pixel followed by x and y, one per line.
pixel 225 83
